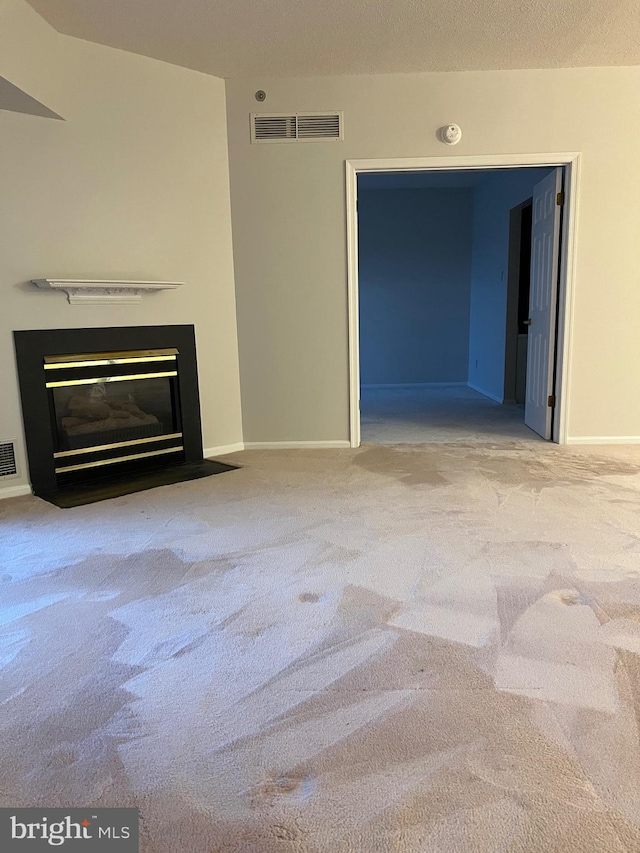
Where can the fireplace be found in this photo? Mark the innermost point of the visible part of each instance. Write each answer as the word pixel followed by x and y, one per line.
pixel 113 407
pixel 109 411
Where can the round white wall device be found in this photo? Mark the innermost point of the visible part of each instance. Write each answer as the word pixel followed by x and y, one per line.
pixel 450 134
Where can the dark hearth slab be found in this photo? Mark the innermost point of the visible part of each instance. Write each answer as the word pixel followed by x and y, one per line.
pixel 87 493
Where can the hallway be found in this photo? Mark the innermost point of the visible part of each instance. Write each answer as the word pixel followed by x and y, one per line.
pixel 438 413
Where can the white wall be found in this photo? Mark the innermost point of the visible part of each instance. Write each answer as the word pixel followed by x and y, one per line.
pixel 288 204
pixel 132 185
pixel 494 196
pixel 414 280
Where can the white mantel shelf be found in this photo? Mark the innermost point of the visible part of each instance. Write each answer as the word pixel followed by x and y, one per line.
pixel 87 292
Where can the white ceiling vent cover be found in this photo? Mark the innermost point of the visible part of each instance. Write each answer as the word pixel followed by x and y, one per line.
pixel 8 467
pixel 296 127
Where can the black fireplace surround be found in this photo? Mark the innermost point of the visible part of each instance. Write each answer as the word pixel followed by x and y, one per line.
pixel 110 411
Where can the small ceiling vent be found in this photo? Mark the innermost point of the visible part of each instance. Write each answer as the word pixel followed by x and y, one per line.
pixel 296 127
pixel 8 467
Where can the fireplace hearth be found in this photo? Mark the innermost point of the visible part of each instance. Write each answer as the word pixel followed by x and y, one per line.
pixel 110 411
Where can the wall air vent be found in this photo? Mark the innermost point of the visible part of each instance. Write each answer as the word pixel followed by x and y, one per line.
pixel 296 127
pixel 8 467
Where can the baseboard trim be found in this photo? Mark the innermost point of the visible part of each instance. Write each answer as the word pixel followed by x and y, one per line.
pixel 603 439
pixel 410 385
pixel 14 491
pixel 223 449
pixel 484 393
pixel 296 445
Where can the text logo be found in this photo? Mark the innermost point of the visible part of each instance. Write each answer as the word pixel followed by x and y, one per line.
pixel 102 830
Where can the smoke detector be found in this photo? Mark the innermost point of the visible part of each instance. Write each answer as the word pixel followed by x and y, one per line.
pixel 450 134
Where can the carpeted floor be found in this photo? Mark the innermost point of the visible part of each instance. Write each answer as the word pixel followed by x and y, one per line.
pixel 417 649
pixel 419 414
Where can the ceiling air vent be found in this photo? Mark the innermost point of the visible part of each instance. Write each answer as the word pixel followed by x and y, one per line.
pixel 8 466
pixel 296 127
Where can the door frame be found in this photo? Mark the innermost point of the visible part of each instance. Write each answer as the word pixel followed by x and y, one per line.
pixel 566 285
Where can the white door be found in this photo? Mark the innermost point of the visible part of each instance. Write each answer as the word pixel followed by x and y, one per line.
pixel 545 257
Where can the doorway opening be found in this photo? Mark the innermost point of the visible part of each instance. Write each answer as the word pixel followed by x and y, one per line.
pixel 517 302
pixel 460 281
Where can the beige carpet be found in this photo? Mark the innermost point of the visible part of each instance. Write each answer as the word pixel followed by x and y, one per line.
pixel 419 414
pixel 426 649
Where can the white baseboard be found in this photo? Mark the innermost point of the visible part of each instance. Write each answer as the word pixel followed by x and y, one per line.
pixel 296 445
pixel 14 491
pixel 485 393
pixel 223 449
pixel 603 439
pixel 410 385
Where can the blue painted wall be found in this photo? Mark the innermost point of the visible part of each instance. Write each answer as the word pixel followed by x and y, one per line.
pixel 415 281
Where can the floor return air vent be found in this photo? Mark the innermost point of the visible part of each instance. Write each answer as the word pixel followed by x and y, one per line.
pixel 8 467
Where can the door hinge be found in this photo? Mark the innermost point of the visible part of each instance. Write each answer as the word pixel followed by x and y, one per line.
pixel 551 401
pixel 560 199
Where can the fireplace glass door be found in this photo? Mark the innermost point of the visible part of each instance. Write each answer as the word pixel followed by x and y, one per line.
pixel 113 408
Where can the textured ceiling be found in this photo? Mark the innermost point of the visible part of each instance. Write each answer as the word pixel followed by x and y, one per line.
pixel 239 38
